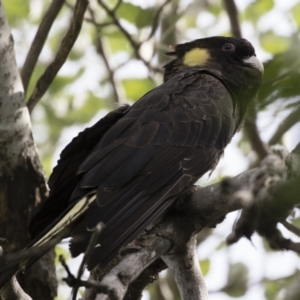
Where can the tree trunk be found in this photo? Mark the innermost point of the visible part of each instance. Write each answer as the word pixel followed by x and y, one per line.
pixel 22 182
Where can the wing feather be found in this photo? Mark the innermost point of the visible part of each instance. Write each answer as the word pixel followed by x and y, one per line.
pixel 150 155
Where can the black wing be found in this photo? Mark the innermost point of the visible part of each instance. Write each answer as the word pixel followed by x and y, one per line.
pixel 148 156
pixel 164 143
pixel 63 179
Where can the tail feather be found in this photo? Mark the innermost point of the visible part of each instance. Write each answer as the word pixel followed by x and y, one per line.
pixel 46 240
pixel 23 261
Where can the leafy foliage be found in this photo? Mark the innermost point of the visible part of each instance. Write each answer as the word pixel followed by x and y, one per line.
pixel 281 77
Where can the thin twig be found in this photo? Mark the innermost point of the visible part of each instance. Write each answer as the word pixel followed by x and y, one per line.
pixel 61 56
pixel 39 41
pixel 155 22
pixel 92 243
pixel 97 24
pixel 287 123
pixel 101 52
pixel 74 282
pixel 117 6
pixel 111 13
pixel 91 20
pixel 135 46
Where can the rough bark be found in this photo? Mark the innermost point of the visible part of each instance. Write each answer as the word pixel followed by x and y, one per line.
pixel 22 183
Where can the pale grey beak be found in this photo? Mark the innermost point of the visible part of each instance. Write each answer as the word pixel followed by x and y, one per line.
pixel 255 62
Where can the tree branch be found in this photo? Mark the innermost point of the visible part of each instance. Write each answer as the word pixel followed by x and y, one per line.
pixel 39 41
pixel 61 55
pixel 251 131
pixel 170 235
pixel 259 192
pixel 288 122
pixel 206 207
pixel 274 194
pixel 135 46
pixel 233 15
pixel 112 14
pixel 187 273
pixel 156 20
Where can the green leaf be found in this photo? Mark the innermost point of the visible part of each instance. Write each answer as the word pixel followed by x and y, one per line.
pixel 296 13
pixel 75 54
pixel 271 290
pixel 61 251
pixel 60 82
pixel 205 266
pixel 16 11
pixel 296 222
pixel 135 14
pixel 190 20
pixel 273 43
pixel 281 76
pixel 256 9
pixel 237 280
pixel 85 112
pixel 37 73
pixel 222 244
pixel 136 88
pixel 54 41
pixel 215 8
pixel 47 163
pixel 274 287
pixel 116 41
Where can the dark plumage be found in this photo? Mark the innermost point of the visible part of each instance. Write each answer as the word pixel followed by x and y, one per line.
pixel 137 160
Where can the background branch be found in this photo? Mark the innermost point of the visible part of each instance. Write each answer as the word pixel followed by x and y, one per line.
pixel 101 52
pixel 156 20
pixel 233 15
pixel 274 194
pixel 135 46
pixel 287 123
pixel 61 56
pixel 251 131
pixel 39 41
pixel 250 127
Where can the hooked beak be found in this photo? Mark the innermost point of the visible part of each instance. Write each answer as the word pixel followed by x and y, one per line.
pixel 254 62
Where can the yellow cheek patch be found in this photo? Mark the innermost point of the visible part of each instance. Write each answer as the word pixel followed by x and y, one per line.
pixel 196 57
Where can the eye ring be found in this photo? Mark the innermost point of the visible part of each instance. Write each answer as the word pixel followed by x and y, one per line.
pixel 228 47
